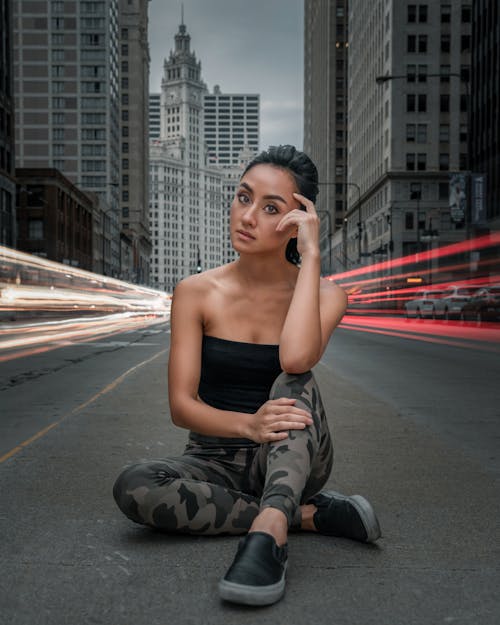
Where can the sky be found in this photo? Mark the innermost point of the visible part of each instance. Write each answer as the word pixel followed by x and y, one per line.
pixel 245 46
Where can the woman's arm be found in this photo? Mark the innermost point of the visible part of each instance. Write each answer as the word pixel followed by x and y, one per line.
pixel 317 306
pixel 271 422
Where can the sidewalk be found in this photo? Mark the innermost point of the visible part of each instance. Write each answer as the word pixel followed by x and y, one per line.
pixel 70 557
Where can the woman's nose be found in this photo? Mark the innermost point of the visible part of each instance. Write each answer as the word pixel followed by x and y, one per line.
pixel 248 216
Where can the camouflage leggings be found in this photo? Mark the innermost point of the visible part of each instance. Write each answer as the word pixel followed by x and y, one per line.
pixel 217 487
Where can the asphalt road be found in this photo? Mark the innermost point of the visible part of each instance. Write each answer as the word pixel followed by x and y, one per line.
pixel 404 437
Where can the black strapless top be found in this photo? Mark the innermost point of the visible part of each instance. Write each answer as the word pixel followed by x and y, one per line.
pixel 236 376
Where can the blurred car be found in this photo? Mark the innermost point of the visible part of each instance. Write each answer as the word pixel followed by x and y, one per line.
pixel 423 305
pixel 484 305
pixel 454 298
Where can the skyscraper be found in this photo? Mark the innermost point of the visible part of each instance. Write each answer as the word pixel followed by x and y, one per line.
pixel 325 113
pixel 154 115
pixel 134 89
pixel 231 123
pixel 186 192
pixel 7 182
pixel 66 72
pixel 407 123
pixel 198 151
pixel 485 109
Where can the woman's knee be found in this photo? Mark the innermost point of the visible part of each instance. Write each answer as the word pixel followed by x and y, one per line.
pixel 133 483
pixel 291 384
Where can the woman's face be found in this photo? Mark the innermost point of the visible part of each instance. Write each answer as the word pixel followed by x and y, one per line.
pixel 263 198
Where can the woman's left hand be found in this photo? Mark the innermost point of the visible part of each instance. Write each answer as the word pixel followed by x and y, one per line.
pixel 307 226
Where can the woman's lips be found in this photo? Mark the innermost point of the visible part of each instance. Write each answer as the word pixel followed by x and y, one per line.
pixel 245 235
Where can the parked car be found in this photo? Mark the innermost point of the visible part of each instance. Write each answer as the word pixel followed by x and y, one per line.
pixel 423 305
pixel 453 300
pixel 484 305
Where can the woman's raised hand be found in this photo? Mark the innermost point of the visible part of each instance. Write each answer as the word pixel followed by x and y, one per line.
pixel 274 418
pixel 307 224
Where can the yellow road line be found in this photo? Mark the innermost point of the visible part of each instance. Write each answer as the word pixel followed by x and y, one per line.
pixel 102 392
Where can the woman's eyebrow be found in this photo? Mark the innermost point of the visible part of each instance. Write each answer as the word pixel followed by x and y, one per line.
pixel 266 197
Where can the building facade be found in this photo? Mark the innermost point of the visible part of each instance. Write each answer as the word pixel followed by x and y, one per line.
pixel 55 218
pixel 407 124
pixel 154 116
pixel 197 156
pixel 134 94
pixel 231 124
pixel 325 114
pixel 67 90
pixel 186 192
pixel 7 160
pixel 485 110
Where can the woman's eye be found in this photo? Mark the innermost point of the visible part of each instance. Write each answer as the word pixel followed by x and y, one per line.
pixel 243 197
pixel 271 209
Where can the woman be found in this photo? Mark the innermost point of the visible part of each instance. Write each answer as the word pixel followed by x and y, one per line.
pixel 244 338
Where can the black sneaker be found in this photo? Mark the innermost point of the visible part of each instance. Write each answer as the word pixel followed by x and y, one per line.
pixel 257 574
pixel 349 517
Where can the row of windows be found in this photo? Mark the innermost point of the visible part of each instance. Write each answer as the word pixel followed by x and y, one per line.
pixel 418 161
pixel 417 102
pixel 419 13
pixel 417 133
pixel 419 43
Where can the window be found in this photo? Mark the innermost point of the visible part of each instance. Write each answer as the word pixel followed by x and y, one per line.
pixel 411 71
pixel 463 161
pixel 422 13
pixel 444 133
pixel 422 73
pixel 422 102
pixel 35 229
pixel 465 73
pixel 410 132
pixel 124 131
pixel 410 162
pixel 124 33
pixel 125 196
pixel 466 14
pixel 125 148
pixel 415 191
pixel 463 133
pixel 409 221
pixel 445 13
pixel 412 13
pixel 463 103
pixel 124 49
pixel 422 43
pixel 422 133
pixel 410 102
pixel 444 103
pixel 411 43
pixel 444 161
pixel 445 73
pixel 465 43
pixel 444 190
pixel 445 43
pixel 421 162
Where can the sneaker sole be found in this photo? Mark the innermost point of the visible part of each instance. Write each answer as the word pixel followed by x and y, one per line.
pixel 366 512
pixel 252 595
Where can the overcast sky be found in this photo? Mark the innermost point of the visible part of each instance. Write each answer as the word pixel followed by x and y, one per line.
pixel 245 46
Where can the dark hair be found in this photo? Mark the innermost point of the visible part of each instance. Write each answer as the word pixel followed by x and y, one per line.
pixel 303 171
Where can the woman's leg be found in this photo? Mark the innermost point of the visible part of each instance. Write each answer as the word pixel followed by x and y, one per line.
pixel 289 472
pixel 196 493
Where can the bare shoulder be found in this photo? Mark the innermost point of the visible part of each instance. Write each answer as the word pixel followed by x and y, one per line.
pixel 332 292
pixel 199 284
